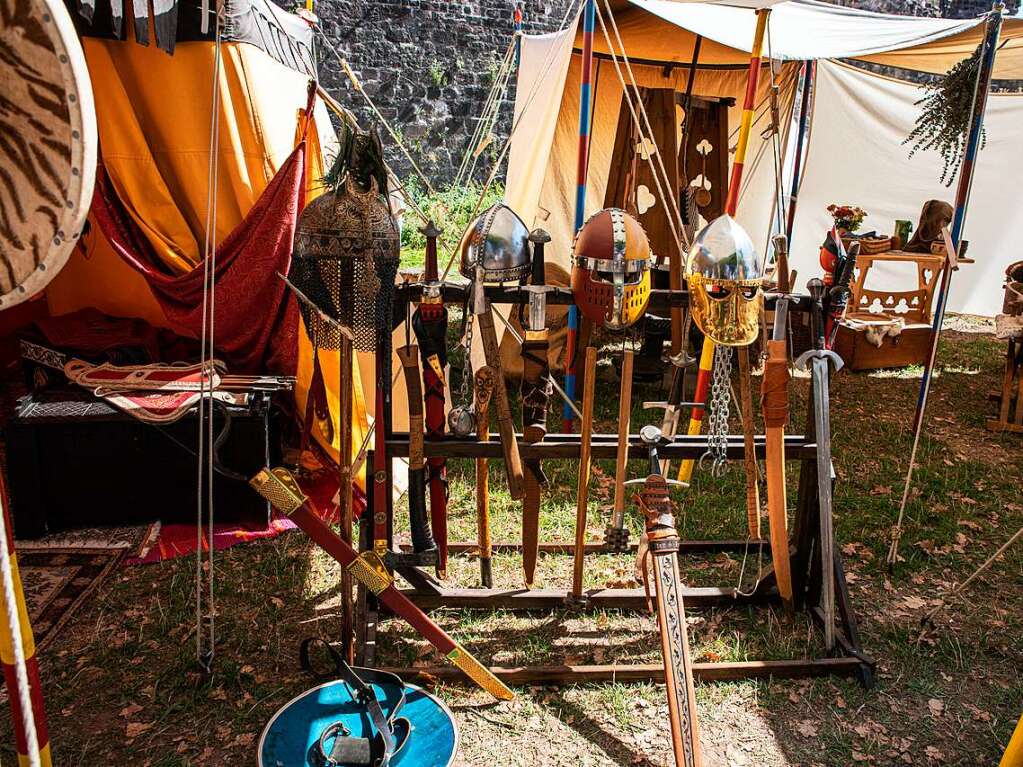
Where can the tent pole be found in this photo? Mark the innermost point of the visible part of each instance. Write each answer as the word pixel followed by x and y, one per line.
pixel 585 109
pixel 970 151
pixel 18 655
pixel 685 471
pixel 809 71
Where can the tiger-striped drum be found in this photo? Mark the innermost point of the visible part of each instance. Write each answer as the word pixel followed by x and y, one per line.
pixel 48 145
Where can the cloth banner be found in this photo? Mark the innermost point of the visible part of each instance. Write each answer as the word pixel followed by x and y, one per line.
pixel 246 285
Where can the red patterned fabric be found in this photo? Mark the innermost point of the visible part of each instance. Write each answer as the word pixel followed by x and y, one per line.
pixel 178 540
pixel 256 317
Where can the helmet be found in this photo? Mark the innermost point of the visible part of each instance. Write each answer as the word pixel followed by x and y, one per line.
pixel 725 283
pixel 611 269
pixel 499 242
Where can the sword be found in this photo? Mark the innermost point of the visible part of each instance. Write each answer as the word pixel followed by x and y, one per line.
pixel 672 405
pixel 660 541
pixel 536 391
pixel 821 363
pixel 279 487
pixel 430 323
pixel 423 543
pixel 505 424
pixel 616 536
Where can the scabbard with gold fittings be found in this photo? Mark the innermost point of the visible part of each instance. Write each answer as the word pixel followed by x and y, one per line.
pixel 659 548
pixel 536 392
pixel 279 487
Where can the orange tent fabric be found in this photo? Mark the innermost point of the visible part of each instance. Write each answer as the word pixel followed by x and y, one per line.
pixel 154 117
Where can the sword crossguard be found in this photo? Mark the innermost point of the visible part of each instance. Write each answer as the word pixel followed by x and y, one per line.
pixel 834 361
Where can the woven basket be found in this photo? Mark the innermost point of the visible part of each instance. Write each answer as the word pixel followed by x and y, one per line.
pixel 870 245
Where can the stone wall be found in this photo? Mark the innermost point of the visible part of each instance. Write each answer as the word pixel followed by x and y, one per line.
pixel 429 64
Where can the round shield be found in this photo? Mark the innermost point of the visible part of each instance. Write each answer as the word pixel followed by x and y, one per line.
pixel 291 738
pixel 49 155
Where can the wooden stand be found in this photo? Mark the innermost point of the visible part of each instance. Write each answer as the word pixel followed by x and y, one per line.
pixel 1011 396
pixel 808 570
pixel 870 310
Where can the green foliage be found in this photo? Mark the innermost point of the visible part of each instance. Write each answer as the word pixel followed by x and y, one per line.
pixel 945 118
pixel 451 210
pixel 437 74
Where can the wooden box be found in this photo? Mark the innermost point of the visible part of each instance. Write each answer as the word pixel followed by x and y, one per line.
pixel 874 315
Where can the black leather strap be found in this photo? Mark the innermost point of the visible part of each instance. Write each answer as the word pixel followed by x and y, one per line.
pixel 336 746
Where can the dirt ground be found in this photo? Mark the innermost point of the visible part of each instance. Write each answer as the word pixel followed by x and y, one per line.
pixel 122 685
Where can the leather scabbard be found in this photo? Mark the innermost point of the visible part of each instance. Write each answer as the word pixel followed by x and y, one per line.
pixel 505 424
pixel 774 403
pixel 419 521
pixel 430 322
pixel 535 391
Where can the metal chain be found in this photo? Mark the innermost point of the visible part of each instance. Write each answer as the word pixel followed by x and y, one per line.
pixel 464 398
pixel 720 399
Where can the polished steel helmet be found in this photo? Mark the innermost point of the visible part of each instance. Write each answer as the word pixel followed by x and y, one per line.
pixel 611 269
pixel 725 283
pixel 499 242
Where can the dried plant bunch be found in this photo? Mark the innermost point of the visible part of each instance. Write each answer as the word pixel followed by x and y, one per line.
pixel 944 119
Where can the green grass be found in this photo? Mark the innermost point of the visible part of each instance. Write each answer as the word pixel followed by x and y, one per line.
pixel 132 648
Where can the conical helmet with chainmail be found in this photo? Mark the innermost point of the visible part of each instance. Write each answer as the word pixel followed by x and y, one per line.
pixel 347 248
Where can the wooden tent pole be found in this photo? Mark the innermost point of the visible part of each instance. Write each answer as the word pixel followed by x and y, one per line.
pixel 809 73
pixel 31 736
pixel 970 151
pixel 585 111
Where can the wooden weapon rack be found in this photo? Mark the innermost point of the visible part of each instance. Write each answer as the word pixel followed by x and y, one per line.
pixel 845 658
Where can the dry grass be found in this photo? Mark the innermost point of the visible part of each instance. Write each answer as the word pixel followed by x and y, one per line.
pixel 122 686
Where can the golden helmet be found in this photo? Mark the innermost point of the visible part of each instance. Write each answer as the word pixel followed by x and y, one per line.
pixel 725 283
pixel 611 269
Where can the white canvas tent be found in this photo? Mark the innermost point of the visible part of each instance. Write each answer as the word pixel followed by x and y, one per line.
pixel 859 121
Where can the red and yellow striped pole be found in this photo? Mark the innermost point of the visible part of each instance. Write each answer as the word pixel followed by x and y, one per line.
pixel 685 470
pixel 8 657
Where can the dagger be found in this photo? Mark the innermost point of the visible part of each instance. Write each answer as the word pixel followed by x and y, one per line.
pixel 536 391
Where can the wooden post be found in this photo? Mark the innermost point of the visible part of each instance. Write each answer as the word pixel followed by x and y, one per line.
pixel 583 492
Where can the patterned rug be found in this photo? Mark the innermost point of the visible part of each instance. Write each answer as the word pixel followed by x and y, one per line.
pixel 58 580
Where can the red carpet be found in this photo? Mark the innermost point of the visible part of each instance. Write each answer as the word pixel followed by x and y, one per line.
pixel 179 540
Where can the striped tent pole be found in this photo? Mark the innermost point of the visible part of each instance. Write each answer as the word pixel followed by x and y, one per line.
pixel 973 138
pixel 18 654
pixel 685 470
pixel 809 70
pixel 585 109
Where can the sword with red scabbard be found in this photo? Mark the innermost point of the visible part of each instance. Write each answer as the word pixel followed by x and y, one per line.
pixel 279 487
pixel 430 323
